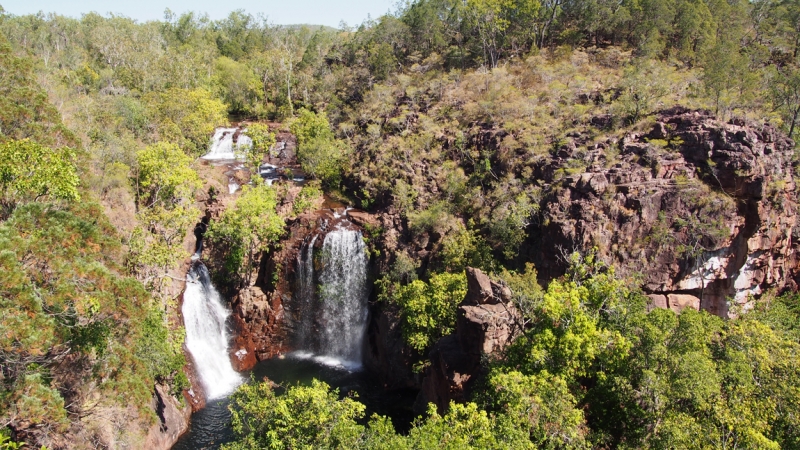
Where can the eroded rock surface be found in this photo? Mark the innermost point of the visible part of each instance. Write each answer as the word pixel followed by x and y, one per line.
pixel 173 420
pixel 702 208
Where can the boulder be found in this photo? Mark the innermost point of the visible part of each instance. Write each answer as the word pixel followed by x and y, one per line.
pixel 363 219
pixel 679 302
pixel 657 301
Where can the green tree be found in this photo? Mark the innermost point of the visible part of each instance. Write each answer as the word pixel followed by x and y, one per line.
pixel 263 140
pixel 305 417
pixel 540 405
pixel 429 309
pixel 238 86
pixel 784 83
pixel 319 152
pixel 68 315
pixel 25 112
pixel 165 187
pixel 29 171
pixel 245 229
pixel 186 117
pixel 163 176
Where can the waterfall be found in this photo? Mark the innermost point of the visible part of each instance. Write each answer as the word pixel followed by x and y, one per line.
pixel 222 145
pixel 305 293
pixel 204 318
pixel 333 320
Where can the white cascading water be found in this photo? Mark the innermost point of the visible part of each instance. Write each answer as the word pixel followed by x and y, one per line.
pixel 340 305
pixel 204 317
pixel 222 145
pixel 305 290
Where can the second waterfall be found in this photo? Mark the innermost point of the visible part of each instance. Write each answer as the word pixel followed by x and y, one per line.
pixel 332 291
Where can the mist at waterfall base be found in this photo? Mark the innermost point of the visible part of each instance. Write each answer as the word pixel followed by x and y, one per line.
pixel 330 323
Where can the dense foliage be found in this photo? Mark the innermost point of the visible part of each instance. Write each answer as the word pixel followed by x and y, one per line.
pixel 446 115
pixel 246 228
pixel 592 369
pixel 73 326
pixel 313 417
pixel 429 308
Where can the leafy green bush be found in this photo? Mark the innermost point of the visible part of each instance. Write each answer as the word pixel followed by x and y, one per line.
pixel 245 229
pixel 429 309
pixel 68 314
pixel 308 196
pixel 263 140
pixel 304 417
pixel 307 417
pixel 29 171
pixel 161 351
pixel 320 154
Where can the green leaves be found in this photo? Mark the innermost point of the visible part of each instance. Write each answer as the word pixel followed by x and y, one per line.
pixel 539 405
pixel 320 154
pixel 314 417
pixel 30 171
pixel 245 229
pixel 69 318
pixel 165 184
pixel 429 309
pixel 25 111
pixel 305 417
pixel 186 117
pixel 263 140
pixel 164 176
pixel 238 85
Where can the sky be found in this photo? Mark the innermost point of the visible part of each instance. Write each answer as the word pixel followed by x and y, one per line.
pixel 279 12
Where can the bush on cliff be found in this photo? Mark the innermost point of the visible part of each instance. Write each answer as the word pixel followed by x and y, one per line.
pixel 246 229
pixel 73 327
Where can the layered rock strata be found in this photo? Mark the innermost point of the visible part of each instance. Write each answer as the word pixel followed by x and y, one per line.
pixel 703 209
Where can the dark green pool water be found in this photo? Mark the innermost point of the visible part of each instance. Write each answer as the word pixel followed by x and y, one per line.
pixel 210 427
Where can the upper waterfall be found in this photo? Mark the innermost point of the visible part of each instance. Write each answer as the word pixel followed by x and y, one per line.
pixel 204 317
pixel 223 146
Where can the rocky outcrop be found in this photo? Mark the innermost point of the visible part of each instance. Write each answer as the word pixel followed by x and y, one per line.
pixel 258 319
pixel 703 209
pixel 173 420
pixel 486 322
pixel 259 310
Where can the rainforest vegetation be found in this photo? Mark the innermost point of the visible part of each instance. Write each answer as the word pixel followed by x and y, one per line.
pixel 102 119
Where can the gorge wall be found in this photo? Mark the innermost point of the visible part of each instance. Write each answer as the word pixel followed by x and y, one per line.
pixel 701 210
pixel 704 210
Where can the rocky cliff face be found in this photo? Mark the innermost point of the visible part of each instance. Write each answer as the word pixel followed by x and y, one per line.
pixel 259 310
pixel 268 313
pixel 703 209
pixel 486 323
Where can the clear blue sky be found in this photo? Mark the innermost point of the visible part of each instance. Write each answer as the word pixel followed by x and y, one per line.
pixel 319 12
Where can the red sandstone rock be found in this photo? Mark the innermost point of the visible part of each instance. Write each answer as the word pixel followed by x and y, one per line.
pixel 679 302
